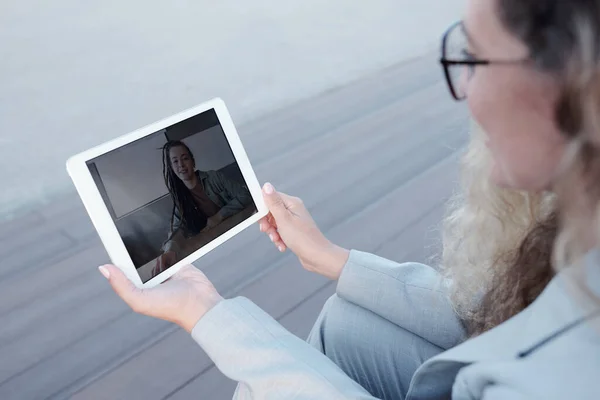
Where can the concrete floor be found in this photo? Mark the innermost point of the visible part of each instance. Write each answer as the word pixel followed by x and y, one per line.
pixel 374 162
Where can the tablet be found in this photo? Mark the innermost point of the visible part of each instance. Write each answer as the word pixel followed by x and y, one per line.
pixel 167 194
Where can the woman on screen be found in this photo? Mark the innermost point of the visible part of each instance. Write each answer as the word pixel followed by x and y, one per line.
pixel 201 199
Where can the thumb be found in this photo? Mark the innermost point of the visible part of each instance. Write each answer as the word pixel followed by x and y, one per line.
pixel 122 286
pixel 275 201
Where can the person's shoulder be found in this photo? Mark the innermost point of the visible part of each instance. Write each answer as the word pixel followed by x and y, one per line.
pixel 212 174
pixel 563 368
pixel 215 175
pixel 557 374
pixel 209 174
pixel 567 369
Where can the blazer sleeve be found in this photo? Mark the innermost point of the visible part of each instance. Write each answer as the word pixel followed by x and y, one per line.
pixel 250 347
pixel 410 295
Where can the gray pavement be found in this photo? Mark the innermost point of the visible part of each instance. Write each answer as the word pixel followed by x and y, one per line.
pixel 374 161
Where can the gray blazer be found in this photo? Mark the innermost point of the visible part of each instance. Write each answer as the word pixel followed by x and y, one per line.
pixel 513 361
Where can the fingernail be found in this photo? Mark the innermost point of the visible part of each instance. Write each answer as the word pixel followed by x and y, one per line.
pixel 280 248
pixel 272 237
pixel 269 189
pixel 104 272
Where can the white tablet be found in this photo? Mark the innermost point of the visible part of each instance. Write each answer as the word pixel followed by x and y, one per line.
pixel 165 195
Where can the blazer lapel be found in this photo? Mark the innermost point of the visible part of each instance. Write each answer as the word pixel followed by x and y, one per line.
pixel 554 309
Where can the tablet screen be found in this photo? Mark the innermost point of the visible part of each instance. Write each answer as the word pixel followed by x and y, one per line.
pixel 173 191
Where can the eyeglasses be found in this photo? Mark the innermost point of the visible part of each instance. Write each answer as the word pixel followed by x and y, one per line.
pixel 459 63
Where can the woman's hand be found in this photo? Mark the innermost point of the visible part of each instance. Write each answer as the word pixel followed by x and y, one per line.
pixel 183 299
pixel 213 221
pixel 289 225
pixel 164 261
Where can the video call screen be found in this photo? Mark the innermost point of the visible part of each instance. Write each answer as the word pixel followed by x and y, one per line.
pixel 172 192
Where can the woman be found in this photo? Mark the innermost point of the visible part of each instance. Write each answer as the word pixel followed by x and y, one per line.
pixel 201 199
pixel 529 72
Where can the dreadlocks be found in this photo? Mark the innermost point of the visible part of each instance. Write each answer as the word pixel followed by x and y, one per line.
pixel 192 218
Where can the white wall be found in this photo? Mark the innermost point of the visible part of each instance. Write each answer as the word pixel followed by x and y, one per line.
pixel 210 149
pixel 133 177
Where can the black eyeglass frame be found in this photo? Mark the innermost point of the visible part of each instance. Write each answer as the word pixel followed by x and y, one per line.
pixel 447 63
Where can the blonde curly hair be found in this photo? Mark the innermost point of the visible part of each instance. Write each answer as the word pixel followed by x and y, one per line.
pixel 496 244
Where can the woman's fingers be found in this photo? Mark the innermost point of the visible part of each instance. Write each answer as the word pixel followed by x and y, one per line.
pixel 276 239
pixel 281 246
pixel 268 225
pixel 271 220
pixel 273 234
pixel 265 218
pixel 267 221
pixel 264 224
pixel 123 287
pixel 277 203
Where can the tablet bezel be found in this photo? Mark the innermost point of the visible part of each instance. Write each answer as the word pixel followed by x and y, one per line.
pixel 99 214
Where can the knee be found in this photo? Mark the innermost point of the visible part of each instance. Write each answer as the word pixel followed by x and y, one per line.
pixel 332 305
pixel 333 320
pixel 333 310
